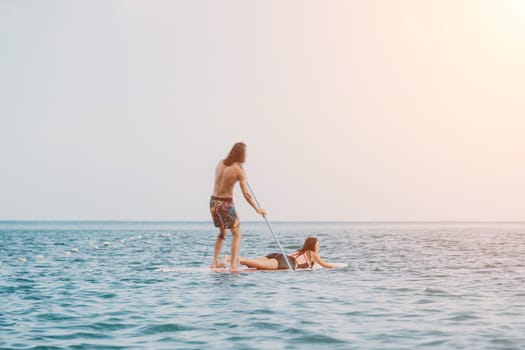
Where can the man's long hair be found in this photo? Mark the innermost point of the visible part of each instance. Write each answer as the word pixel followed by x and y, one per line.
pixel 236 155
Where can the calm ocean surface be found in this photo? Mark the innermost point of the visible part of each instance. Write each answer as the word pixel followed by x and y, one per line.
pixel 407 286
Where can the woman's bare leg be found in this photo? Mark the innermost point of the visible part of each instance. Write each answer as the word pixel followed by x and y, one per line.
pixel 262 263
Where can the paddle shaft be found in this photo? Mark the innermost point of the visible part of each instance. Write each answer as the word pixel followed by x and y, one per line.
pixel 270 227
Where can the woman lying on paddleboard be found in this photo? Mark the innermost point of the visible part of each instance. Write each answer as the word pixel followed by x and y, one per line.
pixel 306 257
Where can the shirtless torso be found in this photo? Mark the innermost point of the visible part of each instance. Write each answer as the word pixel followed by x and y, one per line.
pixel 225 178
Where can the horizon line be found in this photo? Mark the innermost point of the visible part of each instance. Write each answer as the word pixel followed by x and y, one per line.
pixel 253 221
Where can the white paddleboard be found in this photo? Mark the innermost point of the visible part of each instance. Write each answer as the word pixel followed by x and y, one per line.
pixel 244 269
pixel 203 269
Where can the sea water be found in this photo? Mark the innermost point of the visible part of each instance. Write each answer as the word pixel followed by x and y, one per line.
pixel 100 285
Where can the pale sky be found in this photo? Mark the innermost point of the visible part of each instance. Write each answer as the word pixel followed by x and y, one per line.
pixel 351 110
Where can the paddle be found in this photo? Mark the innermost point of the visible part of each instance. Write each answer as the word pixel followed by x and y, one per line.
pixel 270 227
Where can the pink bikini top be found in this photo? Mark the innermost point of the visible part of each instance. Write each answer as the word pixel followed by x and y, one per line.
pixel 302 260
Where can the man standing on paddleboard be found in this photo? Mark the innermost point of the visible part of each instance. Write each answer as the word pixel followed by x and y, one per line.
pixel 227 173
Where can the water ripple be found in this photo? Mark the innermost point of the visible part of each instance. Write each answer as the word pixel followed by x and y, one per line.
pixel 408 286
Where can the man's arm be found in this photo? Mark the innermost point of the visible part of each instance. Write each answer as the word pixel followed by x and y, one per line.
pixel 246 193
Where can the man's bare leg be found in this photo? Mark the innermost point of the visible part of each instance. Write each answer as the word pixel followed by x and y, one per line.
pixel 236 244
pixel 218 246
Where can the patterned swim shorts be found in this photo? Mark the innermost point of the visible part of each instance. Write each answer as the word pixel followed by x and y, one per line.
pixel 223 212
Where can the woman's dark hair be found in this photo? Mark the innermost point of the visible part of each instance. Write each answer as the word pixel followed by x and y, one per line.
pixel 236 155
pixel 309 244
